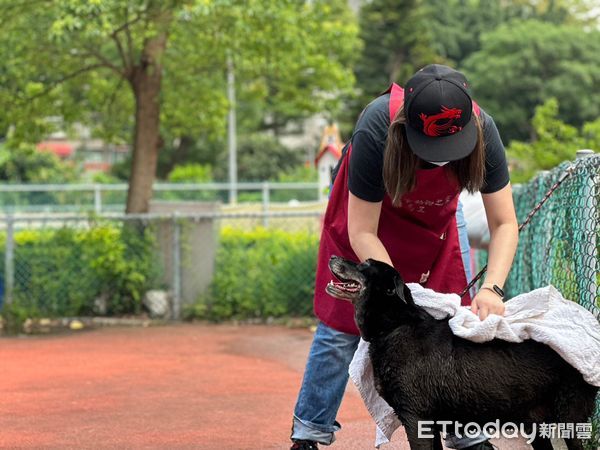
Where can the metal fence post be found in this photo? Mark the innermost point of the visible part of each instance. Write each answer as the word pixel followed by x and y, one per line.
pixel 9 260
pixel 583 153
pixel 232 131
pixel 265 203
pixel 176 226
pixel 97 199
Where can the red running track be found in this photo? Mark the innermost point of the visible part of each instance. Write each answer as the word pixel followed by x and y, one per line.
pixel 169 387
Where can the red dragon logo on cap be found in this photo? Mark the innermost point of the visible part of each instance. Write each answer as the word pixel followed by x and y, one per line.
pixel 432 128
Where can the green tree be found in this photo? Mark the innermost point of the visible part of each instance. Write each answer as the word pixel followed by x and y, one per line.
pixel 554 143
pixel 590 132
pixel 188 150
pixel 105 178
pixel 191 173
pixel 397 41
pixel 23 163
pixel 155 69
pixel 522 64
pixel 299 174
pixel 459 24
pixel 260 158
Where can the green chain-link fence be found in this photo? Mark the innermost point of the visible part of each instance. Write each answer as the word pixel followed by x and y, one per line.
pixel 561 245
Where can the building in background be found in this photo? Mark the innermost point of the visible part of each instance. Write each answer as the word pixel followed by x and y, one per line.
pixel 93 155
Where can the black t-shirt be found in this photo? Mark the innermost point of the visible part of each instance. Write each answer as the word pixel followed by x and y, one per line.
pixel 365 172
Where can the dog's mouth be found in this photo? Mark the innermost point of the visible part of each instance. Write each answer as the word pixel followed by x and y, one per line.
pixel 350 283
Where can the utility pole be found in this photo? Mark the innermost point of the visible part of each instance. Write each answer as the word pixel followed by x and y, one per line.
pixel 231 132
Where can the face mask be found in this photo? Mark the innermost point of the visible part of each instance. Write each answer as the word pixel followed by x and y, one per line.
pixel 441 163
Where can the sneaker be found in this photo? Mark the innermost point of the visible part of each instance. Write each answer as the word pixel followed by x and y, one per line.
pixel 304 445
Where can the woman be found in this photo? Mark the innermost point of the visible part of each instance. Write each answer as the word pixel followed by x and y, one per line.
pixel 395 199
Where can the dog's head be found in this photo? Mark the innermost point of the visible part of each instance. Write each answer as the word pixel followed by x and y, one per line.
pixel 380 298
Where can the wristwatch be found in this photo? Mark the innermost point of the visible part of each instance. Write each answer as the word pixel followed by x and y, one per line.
pixel 494 288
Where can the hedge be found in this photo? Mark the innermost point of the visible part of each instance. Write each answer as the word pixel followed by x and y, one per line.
pixel 261 273
pixel 61 272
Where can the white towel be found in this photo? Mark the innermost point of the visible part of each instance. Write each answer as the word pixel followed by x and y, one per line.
pixel 542 315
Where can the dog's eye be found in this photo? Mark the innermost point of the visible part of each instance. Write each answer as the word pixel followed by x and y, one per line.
pixel 390 292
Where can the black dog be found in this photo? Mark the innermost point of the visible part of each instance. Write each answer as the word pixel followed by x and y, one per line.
pixel 426 373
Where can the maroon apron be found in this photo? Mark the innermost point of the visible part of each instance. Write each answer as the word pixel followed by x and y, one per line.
pixel 420 236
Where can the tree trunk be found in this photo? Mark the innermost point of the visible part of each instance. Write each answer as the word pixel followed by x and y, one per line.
pixel 146 82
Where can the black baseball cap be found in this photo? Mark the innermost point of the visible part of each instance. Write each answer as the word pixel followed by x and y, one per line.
pixel 439 114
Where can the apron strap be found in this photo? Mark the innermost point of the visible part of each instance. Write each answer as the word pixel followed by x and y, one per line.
pixel 396 99
pixel 476 109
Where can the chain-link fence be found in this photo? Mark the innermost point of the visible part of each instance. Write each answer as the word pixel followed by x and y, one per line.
pixel 561 244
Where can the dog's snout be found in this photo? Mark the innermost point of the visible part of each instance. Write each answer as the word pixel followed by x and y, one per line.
pixel 342 267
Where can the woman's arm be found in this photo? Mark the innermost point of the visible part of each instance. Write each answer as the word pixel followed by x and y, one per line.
pixel 363 221
pixel 502 222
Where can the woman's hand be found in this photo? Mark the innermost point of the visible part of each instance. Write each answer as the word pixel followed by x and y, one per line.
pixel 487 302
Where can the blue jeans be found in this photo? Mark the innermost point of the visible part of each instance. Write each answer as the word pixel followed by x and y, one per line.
pixel 323 386
pixel 326 376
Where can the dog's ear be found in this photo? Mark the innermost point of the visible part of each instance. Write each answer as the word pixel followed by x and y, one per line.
pixel 403 291
pixel 408 298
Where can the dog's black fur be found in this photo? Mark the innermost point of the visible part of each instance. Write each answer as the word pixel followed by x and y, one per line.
pixel 425 372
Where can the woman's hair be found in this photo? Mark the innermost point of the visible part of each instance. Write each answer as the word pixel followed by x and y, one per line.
pixel 400 163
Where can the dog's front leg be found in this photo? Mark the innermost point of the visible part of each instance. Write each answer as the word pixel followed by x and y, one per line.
pixel 424 437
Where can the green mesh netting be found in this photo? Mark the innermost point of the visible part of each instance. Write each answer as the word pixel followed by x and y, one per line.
pixel 561 245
